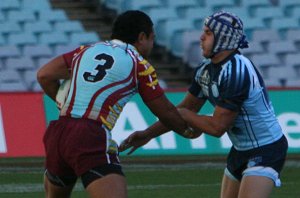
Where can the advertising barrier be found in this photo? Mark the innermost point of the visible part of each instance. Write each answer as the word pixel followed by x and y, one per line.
pixel 22 124
pixel 24 117
pixel 136 116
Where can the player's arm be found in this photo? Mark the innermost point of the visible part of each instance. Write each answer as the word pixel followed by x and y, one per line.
pixel 49 75
pixel 215 125
pixel 189 102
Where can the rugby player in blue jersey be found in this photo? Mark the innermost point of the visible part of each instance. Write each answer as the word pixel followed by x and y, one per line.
pixel 243 110
pixel 104 76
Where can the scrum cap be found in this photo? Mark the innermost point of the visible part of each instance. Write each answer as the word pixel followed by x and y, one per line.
pixel 228 31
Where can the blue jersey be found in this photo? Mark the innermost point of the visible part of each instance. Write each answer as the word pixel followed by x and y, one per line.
pixel 236 84
pixel 104 78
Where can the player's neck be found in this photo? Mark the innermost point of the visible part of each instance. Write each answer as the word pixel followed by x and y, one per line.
pixel 219 57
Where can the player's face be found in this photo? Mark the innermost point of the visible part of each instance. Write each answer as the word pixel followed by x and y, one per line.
pixel 146 44
pixel 207 42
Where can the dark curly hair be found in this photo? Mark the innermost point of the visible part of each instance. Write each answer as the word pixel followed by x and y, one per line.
pixel 130 24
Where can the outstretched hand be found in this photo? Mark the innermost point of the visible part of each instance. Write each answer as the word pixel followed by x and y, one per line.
pixel 134 141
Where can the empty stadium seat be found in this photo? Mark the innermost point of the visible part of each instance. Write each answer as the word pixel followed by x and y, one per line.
pixel 284 24
pixel 191 48
pixel 288 3
pixel 268 13
pixel 113 4
pixel 252 24
pixel 255 47
pixel 265 35
pixel 264 62
pixel 2 17
pixel 53 38
pixel 21 39
pixel 9 51
pixel 197 15
pixel 21 63
pixel 35 5
pixel 38 27
pixel 83 38
pixel 217 5
pixel 60 49
pixel 10 81
pixel 53 15
pixel 2 40
pixel 37 51
pixel 68 26
pixel 10 27
pixel 21 16
pixel 6 5
pixel 144 5
pixel 181 5
pixel 282 48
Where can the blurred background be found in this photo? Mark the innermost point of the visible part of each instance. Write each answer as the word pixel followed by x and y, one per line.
pixel 34 31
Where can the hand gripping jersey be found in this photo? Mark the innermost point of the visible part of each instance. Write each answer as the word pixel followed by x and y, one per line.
pixel 236 84
pixel 104 78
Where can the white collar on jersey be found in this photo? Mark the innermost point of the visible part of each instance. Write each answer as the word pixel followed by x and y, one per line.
pixel 121 43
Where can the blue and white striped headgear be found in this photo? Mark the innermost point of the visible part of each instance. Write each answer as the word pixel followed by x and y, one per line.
pixel 228 31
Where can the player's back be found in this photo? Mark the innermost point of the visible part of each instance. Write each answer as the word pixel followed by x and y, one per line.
pixel 103 80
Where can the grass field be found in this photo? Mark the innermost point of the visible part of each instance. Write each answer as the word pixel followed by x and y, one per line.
pixel 167 177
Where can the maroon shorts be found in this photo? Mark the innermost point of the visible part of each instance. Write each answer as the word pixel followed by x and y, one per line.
pixel 74 146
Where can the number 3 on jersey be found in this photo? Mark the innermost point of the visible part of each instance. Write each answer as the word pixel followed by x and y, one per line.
pixel 109 61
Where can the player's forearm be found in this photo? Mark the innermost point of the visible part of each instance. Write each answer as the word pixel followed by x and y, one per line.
pixel 50 87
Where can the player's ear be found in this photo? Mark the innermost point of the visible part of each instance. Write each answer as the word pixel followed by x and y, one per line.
pixel 141 37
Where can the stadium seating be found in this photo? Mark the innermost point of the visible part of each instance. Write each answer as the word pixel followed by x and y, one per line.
pixel 32 31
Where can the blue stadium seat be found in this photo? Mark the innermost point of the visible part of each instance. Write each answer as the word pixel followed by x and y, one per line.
pixel 37 51
pixel 292 60
pixel 282 47
pixel 289 3
pixel 68 26
pixel 113 4
pixel 31 81
pixel 283 24
pixel 252 24
pixel 21 39
pixel 255 47
pixel 36 5
pixel 83 38
pixel 265 35
pixel 10 81
pixel 38 27
pixel 2 17
pixel 293 35
pixel 174 35
pixel 9 51
pixel 217 5
pixel 253 4
pixel 181 5
pixel 197 15
pixel 169 28
pixel 10 27
pixel 2 40
pixel 53 38
pixel 22 63
pixel 240 11
pixel 265 61
pixel 53 15
pixel 191 48
pixel 6 5
pixel 60 49
pixel 21 16
pixel 144 5
pixel 268 13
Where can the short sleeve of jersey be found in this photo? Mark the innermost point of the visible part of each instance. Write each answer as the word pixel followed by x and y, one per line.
pixel 234 85
pixel 195 89
pixel 68 57
pixel 148 85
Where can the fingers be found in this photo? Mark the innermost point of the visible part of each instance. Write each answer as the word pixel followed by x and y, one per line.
pixel 124 145
pixel 132 150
